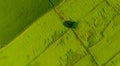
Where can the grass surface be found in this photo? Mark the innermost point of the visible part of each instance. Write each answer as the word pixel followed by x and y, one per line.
pixel 47 42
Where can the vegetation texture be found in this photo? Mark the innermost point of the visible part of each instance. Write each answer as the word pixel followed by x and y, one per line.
pixel 32 33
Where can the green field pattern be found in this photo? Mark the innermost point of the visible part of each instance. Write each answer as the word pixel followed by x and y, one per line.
pixel 32 33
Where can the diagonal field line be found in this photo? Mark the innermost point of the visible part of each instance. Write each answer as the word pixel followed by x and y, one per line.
pixel 48 46
pixel 111 58
pixel 62 17
pixel 95 7
pixel 56 11
pixel 88 51
pixel 86 16
pixel 102 32
pixel 109 21
pixel 112 7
